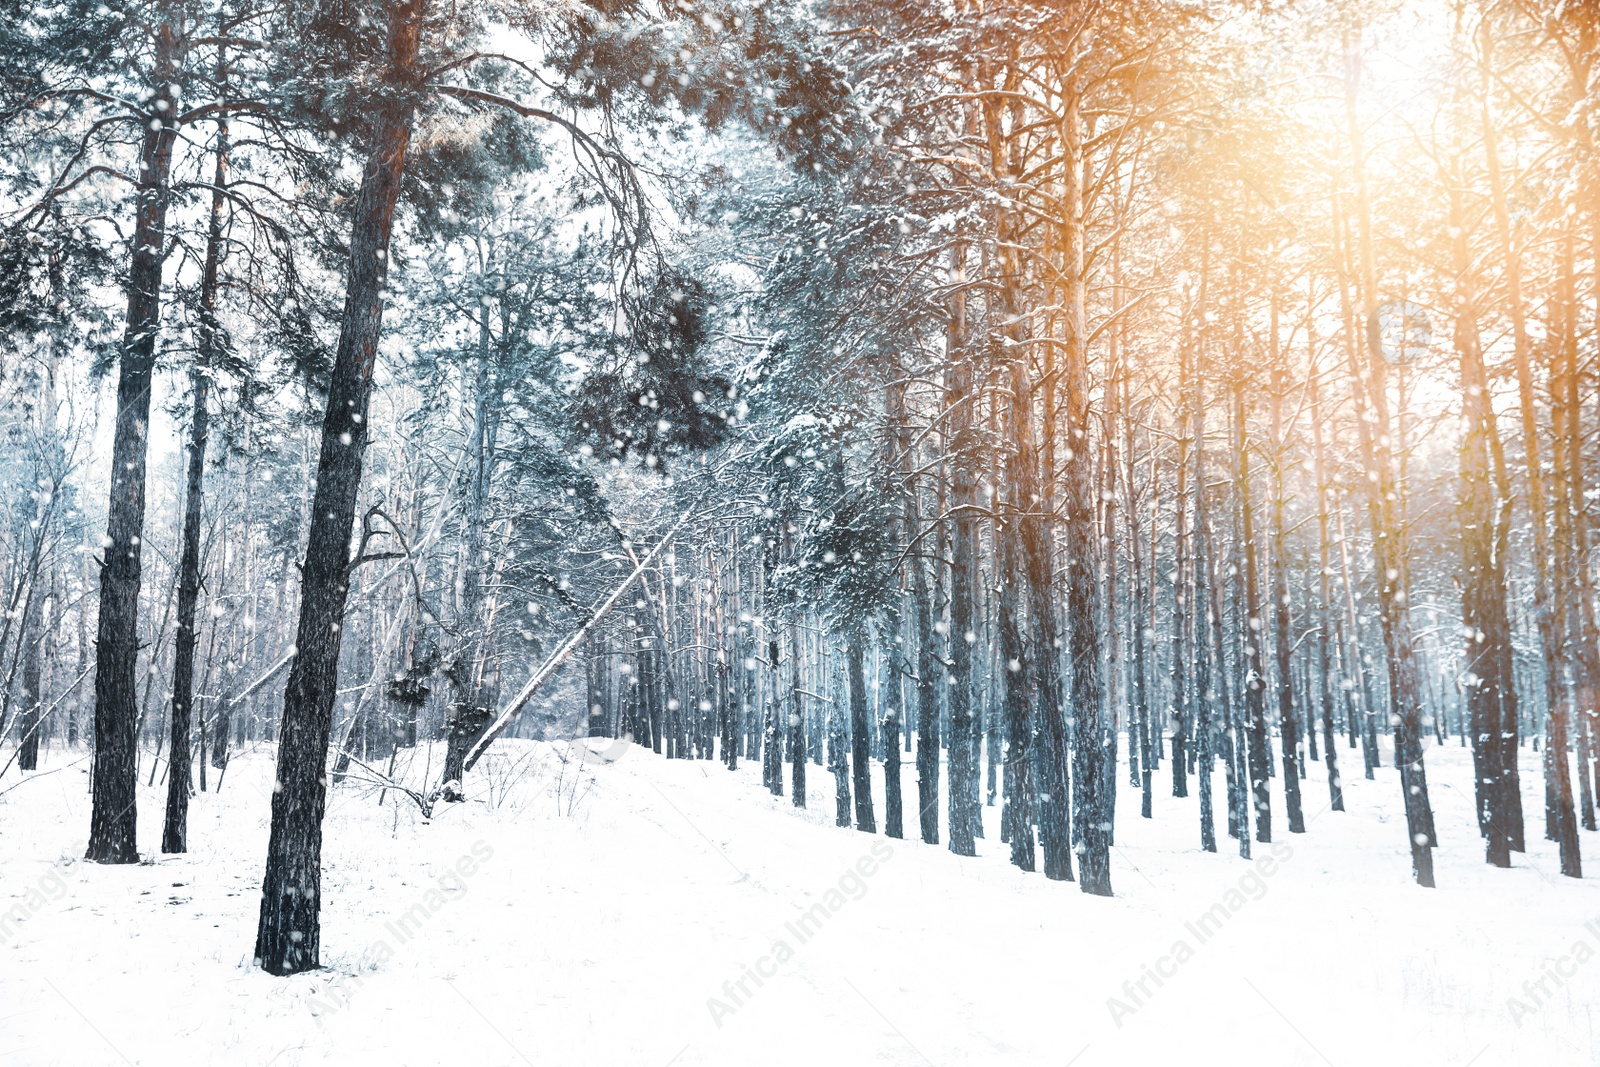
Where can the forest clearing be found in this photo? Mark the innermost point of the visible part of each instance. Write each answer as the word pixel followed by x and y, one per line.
pixel 614 907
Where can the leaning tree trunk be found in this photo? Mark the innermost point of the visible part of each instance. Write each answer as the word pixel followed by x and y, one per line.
pixel 113 821
pixel 288 934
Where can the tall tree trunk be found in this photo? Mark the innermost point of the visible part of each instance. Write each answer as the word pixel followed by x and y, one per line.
pixel 1582 593
pixel 1324 586
pixel 797 721
pixel 1255 632
pixel 1490 694
pixel 1205 617
pixel 962 450
pixel 860 738
pixel 175 831
pixel 1139 721
pixel 1558 791
pixel 113 821
pixel 927 728
pixel 1082 544
pixel 1388 535
pixel 1566 458
pixel 889 731
pixel 1182 600
pixel 1288 724
pixel 1017 664
pixel 288 936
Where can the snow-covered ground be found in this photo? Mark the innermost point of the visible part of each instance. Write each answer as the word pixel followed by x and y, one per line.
pixel 648 913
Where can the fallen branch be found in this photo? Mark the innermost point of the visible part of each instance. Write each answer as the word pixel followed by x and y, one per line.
pixel 568 647
pixel 43 715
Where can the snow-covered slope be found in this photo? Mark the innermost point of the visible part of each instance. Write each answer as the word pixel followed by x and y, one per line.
pixel 649 912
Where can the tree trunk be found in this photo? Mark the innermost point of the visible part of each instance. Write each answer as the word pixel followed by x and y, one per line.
pixel 113 822
pixel 1255 681
pixel 860 739
pixel 175 832
pixel 1016 666
pixel 797 723
pixel 288 935
pixel 1324 590
pixel 1288 724
pixel 1182 600
pixel 1490 694
pixel 1388 534
pixel 1082 544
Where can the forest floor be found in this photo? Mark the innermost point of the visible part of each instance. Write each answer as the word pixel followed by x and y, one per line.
pixel 576 914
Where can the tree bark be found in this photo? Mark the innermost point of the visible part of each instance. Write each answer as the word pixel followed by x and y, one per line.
pixel 175 831
pixel 113 821
pixel 860 739
pixel 1490 694
pixel 1255 632
pixel 1288 724
pixel 288 935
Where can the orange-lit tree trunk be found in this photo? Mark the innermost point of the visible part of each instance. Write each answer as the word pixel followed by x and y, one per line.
pixel 1405 710
pixel 1078 513
pixel 1560 822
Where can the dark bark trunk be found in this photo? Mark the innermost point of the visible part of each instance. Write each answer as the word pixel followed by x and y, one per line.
pixel 1083 550
pixel 797 724
pixel 1560 823
pixel 175 831
pixel 288 935
pixel 1490 695
pixel 961 451
pixel 1016 665
pixel 1288 724
pixel 113 822
pixel 1205 620
pixel 1325 593
pixel 31 697
pixel 1388 534
pixel 860 739
pixel 1138 611
pixel 1182 600
pixel 1255 681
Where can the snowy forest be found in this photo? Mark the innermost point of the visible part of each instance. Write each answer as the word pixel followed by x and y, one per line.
pixel 501 495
